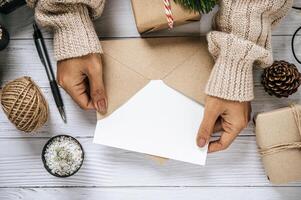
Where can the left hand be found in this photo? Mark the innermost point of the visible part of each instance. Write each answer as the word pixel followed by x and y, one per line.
pixel 82 78
pixel 229 116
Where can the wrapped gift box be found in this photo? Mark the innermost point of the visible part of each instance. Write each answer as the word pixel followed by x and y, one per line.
pixel 279 140
pixel 150 15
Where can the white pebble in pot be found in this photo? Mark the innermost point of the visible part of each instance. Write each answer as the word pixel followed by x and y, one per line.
pixel 62 156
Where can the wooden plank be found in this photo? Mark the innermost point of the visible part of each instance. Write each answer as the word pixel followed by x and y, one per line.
pixel 82 123
pixel 21 165
pixel 20 59
pixel 175 193
pixel 79 122
pixel 118 21
pixel 110 173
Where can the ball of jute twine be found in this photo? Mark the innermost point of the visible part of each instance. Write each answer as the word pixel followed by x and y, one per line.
pixel 24 105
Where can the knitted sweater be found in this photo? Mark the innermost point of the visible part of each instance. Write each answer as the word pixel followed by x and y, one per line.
pixel 71 22
pixel 243 37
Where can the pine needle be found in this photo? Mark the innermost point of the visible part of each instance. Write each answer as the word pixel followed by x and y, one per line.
pixel 201 6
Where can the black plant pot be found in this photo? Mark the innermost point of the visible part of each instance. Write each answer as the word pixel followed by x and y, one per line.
pixel 7 6
pixel 4 38
pixel 44 159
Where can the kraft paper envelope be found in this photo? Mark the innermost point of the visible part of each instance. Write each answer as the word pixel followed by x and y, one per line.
pixel 182 63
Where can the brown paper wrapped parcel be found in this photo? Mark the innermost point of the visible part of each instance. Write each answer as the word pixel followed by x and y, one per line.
pixel 150 15
pixel 279 140
pixel 183 63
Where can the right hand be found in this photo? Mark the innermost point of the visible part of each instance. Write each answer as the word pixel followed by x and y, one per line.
pixel 231 117
pixel 82 79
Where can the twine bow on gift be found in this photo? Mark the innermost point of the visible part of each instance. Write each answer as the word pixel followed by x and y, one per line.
pixel 285 146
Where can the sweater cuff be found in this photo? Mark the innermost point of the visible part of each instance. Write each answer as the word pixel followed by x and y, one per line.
pixel 75 36
pixel 231 77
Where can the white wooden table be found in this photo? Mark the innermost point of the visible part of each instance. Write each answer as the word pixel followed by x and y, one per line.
pixel 110 173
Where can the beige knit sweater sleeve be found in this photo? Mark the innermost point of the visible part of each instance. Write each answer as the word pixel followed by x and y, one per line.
pixel 243 37
pixel 71 22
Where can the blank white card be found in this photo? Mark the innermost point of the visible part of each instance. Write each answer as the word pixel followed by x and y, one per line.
pixel 157 120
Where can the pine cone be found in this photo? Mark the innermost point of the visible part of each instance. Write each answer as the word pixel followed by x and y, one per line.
pixel 281 79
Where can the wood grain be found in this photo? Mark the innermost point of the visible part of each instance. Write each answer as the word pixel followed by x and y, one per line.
pixel 21 165
pixel 110 173
pixel 82 123
pixel 20 59
pixel 118 21
pixel 146 193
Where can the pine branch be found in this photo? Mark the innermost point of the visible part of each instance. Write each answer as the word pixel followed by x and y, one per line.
pixel 202 6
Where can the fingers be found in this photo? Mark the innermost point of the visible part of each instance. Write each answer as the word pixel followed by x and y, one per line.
pixel 82 79
pixel 231 131
pixel 79 94
pixel 74 83
pixel 218 126
pixel 207 126
pixel 223 143
pixel 97 89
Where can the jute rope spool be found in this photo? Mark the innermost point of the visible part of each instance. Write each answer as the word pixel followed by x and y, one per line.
pixel 24 105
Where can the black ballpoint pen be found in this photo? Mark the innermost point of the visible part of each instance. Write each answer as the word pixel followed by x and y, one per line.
pixel 43 54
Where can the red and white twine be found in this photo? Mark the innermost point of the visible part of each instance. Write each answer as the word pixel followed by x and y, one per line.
pixel 168 13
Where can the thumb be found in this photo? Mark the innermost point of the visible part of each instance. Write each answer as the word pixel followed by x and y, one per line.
pixel 207 126
pixel 97 91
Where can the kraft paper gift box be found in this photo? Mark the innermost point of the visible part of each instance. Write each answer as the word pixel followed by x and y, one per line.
pixel 183 63
pixel 150 15
pixel 279 141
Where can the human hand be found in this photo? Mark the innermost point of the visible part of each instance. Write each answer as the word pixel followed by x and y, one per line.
pixel 82 79
pixel 231 117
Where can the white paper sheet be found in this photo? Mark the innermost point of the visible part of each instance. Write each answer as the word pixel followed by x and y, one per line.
pixel 157 120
